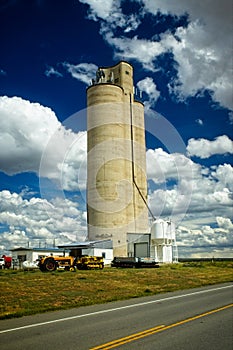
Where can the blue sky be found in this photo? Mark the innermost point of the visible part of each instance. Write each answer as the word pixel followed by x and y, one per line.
pixel 182 59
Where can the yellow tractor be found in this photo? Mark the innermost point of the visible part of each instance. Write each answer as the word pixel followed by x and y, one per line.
pixel 70 263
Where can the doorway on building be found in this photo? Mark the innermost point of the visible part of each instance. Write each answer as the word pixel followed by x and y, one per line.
pixel 141 250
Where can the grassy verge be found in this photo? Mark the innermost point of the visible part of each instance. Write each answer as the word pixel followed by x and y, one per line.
pixel 29 292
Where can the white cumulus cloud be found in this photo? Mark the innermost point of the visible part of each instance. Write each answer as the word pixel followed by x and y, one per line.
pixel 99 9
pixel 82 71
pixel 201 54
pixel 162 166
pixel 143 50
pixel 39 220
pixel 148 86
pixel 206 241
pixel 182 189
pixel 111 14
pixel 25 128
pixel 225 223
pixel 33 140
pixel 204 148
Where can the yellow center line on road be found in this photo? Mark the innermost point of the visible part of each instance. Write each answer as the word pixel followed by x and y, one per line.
pixel 157 329
pixel 127 339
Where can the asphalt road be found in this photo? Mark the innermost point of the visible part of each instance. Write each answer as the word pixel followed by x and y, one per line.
pixel 197 319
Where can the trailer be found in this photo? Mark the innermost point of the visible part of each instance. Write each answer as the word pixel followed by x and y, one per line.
pixel 134 262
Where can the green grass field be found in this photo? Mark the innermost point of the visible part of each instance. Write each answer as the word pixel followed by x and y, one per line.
pixel 29 292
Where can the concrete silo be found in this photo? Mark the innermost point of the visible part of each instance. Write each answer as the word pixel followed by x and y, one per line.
pixel 116 168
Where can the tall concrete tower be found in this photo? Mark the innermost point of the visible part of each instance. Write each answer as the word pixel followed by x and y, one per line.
pixel 116 161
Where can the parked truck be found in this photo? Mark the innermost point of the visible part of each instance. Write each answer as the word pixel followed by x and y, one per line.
pixel 134 262
pixel 5 262
pixel 70 263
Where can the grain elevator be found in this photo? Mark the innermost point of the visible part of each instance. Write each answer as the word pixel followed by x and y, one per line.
pixel 116 160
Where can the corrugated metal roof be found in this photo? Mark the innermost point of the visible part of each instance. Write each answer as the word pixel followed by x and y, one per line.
pixel 107 244
pixel 88 244
pixel 52 249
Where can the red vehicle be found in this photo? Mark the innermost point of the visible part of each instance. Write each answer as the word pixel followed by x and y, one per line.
pixel 5 262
